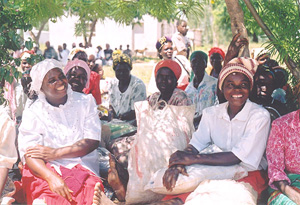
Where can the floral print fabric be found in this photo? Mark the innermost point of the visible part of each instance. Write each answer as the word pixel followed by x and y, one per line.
pixel 283 150
pixel 124 102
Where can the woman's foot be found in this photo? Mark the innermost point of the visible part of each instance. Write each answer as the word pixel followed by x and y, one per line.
pixel 114 180
pixel 99 197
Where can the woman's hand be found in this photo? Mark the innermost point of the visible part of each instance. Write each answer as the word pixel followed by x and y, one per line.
pixel 292 194
pixel 286 189
pixel 42 152
pixel 182 158
pixel 171 175
pixel 58 186
pixel 234 47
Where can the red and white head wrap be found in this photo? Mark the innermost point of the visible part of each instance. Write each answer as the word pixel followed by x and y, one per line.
pixel 244 65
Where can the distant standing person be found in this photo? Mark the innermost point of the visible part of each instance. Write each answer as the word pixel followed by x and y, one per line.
pixel 37 50
pixel 100 53
pixel 73 45
pixel 128 51
pixel 65 48
pixel 50 52
pixel 108 54
pixel 62 55
pixel 180 42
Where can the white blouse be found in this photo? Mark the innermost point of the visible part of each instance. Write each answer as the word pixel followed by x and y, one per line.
pixel 62 126
pixel 245 135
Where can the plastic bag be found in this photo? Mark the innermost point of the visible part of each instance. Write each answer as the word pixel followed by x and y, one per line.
pixel 160 133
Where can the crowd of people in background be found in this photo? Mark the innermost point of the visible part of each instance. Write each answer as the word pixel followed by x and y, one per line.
pixel 57 114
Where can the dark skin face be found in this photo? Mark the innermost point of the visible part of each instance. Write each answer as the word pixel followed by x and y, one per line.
pixel 25 65
pixel 182 28
pixel 55 86
pixel 91 61
pixel 216 61
pixel 122 72
pixel 77 78
pixel 167 51
pixel 166 82
pixel 236 89
pixel 264 85
pixel 198 65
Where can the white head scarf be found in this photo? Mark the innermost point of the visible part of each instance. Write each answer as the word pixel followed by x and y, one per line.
pixel 39 71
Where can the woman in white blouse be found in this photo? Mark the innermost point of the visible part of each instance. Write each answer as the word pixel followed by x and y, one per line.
pixel 58 139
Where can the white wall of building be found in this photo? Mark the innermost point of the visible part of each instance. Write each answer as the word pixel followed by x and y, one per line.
pixel 108 31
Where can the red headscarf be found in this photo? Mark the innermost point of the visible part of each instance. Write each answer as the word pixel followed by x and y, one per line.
pixel 172 65
pixel 216 50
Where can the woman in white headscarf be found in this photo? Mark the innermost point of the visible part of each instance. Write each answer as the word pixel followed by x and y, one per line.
pixel 58 139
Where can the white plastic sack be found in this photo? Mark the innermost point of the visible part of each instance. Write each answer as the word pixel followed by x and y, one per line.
pixel 225 192
pixel 197 173
pixel 160 133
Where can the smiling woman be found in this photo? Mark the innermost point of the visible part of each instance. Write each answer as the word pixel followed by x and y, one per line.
pixel 78 75
pixel 242 131
pixel 57 140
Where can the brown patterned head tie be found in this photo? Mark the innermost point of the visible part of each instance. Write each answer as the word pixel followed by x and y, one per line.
pixel 161 42
pixel 121 58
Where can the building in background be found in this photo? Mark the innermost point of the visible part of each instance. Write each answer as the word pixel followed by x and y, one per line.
pixel 139 36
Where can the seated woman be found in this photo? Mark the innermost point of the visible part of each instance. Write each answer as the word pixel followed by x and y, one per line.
pixel 216 56
pixel 78 75
pixel 264 85
pixel 94 79
pixel 283 158
pixel 164 48
pixel 167 73
pixel 57 140
pixel 241 132
pixel 125 89
pixel 202 90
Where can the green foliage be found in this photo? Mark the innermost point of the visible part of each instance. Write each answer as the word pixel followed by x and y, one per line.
pixel 10 20
pixel 282 18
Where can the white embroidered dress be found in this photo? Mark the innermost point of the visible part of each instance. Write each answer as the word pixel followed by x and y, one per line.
pixel 62 126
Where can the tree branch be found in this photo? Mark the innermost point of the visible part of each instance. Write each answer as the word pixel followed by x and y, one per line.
pixel 288 61
pixel 92 30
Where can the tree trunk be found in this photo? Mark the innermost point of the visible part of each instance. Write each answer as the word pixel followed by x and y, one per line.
pixel 288 61
pixel 36 38
pixel 255 38
pixel 237 22
pixel 93 26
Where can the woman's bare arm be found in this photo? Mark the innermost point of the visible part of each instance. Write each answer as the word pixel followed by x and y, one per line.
pixel 78 149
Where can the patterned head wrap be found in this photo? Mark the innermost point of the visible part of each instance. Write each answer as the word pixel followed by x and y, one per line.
pixel 199 54
pixel 244 65
pixel 121 58
pixel 25 55
pixel 39 71
pixel 216 50
pixel 172 65
pixel 79 63
pixel 74 51
pixel 161 42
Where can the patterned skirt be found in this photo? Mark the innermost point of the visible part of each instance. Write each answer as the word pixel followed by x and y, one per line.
pixel 277 197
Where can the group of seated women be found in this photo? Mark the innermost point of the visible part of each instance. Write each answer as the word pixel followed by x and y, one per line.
pixel 61 128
